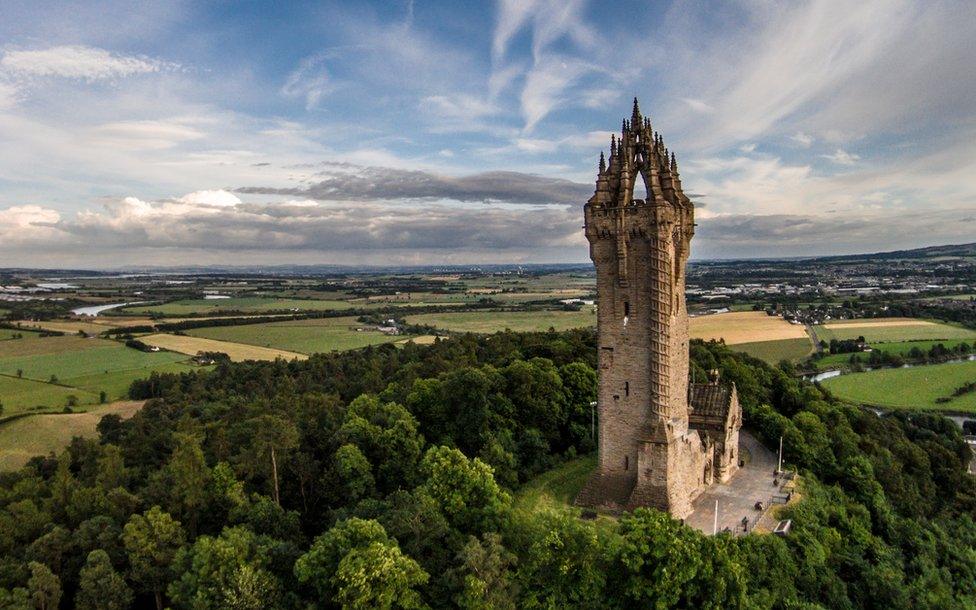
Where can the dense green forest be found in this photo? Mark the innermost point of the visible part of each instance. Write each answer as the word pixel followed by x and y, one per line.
pixel 384 478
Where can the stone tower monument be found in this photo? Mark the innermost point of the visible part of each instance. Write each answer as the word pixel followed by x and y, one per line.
pixel 639 224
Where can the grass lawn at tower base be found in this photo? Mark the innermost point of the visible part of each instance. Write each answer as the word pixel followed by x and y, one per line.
pixel 915 387
pixel 26 437
pixel 557 487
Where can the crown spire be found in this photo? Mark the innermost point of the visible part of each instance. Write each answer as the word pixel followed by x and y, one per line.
pixel 636 116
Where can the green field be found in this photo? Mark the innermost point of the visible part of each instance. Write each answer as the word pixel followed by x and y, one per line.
pixel 107 356
pixel 879 334
pixel 494 321
pixel 775 351
pixel 243 304
pixel 304 336
pixel 9 333
pixel 116 383
pixel 33 345
pixel 909 388
pixel 26 437
pixel 20 395
pixel 88 366
pixel 901 348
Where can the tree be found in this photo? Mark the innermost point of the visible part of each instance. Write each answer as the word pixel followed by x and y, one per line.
pixel 111 468
pixel 562 561
pixel 386 433
pixel 357 565
pixel 100 586
pixel 185 480
pixel 273 438
pixel 484 578
pixel 465 490
pixel 354 472
pixel 379 576
pixel 151 541
pixel 228 571
pixel 44 587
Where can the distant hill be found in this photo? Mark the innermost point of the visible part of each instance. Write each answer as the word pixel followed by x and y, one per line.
pixel 950 251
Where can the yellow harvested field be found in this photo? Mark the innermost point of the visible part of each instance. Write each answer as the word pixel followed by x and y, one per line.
pixel 26 437
pixel 744 327
pixel 237 351
pixel 63 326
pixel 421 340
pixel 879 323
pixel 92 326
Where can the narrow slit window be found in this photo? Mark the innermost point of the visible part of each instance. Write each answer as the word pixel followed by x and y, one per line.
pixel 626 309
pixel 626 462
pixel 626 388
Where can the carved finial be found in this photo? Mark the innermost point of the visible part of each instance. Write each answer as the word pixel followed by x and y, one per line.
pixel 603 163
pixel 636 116
pixel 623 125
pixel 674 164
pixel 613 145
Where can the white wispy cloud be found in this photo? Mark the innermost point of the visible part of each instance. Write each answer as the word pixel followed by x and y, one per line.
pixel 76 61
pixel 310 80
pixel 842 157
pixel 802 139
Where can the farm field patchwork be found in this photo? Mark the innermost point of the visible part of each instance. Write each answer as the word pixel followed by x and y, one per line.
pixel 915 387
pixel 901 348
pixel 745 327
pixel 775 351
pixel 244 304
pixel 304 336
pixel 186 344
pixel 892 329
pixel 26 437
pixel 494 321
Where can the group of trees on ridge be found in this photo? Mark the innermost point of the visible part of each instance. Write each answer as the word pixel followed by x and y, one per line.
pixel 384 477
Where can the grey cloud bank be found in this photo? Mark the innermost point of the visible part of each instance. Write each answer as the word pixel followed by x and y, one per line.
pixel 345 182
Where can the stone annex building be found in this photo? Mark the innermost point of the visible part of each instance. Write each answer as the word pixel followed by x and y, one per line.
pixel 662 440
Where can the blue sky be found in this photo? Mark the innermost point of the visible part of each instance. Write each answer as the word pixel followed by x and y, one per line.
pixel 465 132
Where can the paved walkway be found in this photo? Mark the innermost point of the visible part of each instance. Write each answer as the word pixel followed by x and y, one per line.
pixel 738 497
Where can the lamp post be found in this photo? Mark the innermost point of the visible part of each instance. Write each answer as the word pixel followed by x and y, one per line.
pixel 779 466
pixel 592 420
